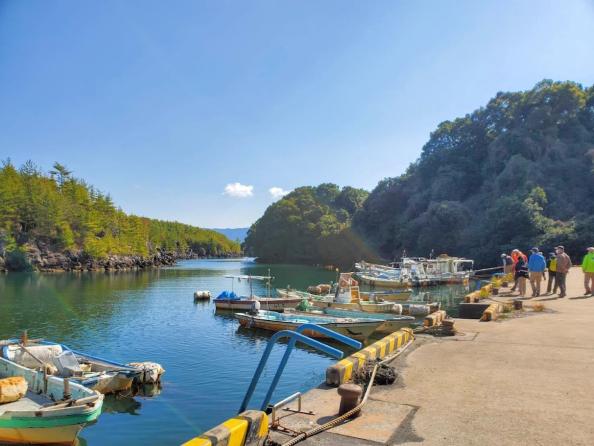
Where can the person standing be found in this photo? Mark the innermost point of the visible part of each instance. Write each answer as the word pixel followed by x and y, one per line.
pixel 588 269
pixel 536 268
pixel 516 255
pixel 552 267
pixel 508 264
pixel 521 274
pixel 563 266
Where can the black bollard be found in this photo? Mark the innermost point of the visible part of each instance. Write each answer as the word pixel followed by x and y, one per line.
pixel 350 394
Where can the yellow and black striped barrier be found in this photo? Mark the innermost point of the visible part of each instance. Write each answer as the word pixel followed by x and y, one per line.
pixel 343 371
pixel 246 429
pixel 434 319
pixel 491 313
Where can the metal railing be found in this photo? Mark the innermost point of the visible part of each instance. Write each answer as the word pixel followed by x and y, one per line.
pixel 293 337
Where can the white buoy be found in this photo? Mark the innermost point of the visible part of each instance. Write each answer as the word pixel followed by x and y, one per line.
pixel 151 371
pixel 201 294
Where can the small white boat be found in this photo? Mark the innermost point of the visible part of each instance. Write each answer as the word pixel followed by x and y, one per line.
pixel 356 328
pixel 247 303
pixel 382 280
pixel 228 300
pixel 95 373
pixel 344 295
pixel 392 322
pixel 50 412
pixel 387 295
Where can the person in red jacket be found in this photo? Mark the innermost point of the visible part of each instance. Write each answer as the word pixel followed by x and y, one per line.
pixel 516 254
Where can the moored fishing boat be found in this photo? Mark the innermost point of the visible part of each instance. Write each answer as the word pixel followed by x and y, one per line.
pixel 50 412
pixel 345 294
pixel 356 328
pixel 383 280
pixel 95 373
pixel 387 295
pixel 228 300
pixel 358 305
pixel 236 303
pixel 392 322
pixel 327 301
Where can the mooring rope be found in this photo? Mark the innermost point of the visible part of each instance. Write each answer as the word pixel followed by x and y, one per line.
pixel 302 436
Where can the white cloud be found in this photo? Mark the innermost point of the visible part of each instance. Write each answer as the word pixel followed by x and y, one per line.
pixel 278 192
pixel 239 190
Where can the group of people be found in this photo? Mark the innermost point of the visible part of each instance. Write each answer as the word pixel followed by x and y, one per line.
pixel 535 267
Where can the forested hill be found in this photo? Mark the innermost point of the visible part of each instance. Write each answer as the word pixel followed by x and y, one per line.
pixel 56 221
pixel 518 172
pixel 309 225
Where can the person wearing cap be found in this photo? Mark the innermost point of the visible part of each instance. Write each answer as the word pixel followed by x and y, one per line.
pixel 552 267
pixel 536 268
pixel 588 269
pixel 563 266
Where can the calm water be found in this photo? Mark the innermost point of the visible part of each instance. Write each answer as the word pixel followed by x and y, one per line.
pixel 151 315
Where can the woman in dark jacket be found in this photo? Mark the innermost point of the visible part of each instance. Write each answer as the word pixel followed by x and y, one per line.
pixel 521 275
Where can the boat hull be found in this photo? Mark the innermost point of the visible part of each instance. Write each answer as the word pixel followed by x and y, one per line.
pixel 387 295
pixel 107 384
pixel 355 330
pixel 391 322
pixel 273 304
pixel 384 283
pixel 365 307
pixel 61 435
pixel 30 421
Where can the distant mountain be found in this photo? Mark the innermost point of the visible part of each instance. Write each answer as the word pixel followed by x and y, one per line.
pixel 233 233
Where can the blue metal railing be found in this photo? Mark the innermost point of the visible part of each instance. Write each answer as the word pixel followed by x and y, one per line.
pixel 293 336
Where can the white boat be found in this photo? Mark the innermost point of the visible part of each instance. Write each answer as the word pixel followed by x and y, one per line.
pixel 50 412
pixel 95 373
pixel 356 328
pixel 345 295
pixel 381 279
pixel 228 300
pixel 418 271
pixel 392 322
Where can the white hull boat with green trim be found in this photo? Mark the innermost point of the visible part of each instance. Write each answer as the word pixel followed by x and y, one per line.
pixel 44 414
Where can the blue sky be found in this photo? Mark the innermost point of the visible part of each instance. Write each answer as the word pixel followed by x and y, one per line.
pixel 166 104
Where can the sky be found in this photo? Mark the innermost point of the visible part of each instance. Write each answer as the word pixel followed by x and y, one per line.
pixel 206 112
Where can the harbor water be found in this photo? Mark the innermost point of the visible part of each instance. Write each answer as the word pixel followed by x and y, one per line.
pixel 151 316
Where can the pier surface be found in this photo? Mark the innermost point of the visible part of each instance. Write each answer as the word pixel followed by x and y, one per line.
pixel 517 381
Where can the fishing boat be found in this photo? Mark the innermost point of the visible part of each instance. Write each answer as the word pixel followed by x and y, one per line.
pixel 95 373
pixel 51 411
pixel 449 270
pixel 228 300
pixel 387 295
pixel 392 322
pixel 382 279
pixel 356 328
pixel 345 294
pixel 327 301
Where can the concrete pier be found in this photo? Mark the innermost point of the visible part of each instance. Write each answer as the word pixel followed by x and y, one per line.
pixel 525 379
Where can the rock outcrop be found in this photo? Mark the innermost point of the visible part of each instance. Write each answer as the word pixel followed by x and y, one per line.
pixel 39 257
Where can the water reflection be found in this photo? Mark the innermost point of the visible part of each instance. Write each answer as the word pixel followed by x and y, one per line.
pixel 151 315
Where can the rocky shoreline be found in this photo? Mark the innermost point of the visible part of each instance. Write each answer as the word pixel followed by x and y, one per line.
pixel 35 258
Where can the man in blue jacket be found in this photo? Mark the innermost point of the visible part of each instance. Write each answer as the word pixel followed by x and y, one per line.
pixel 536 268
